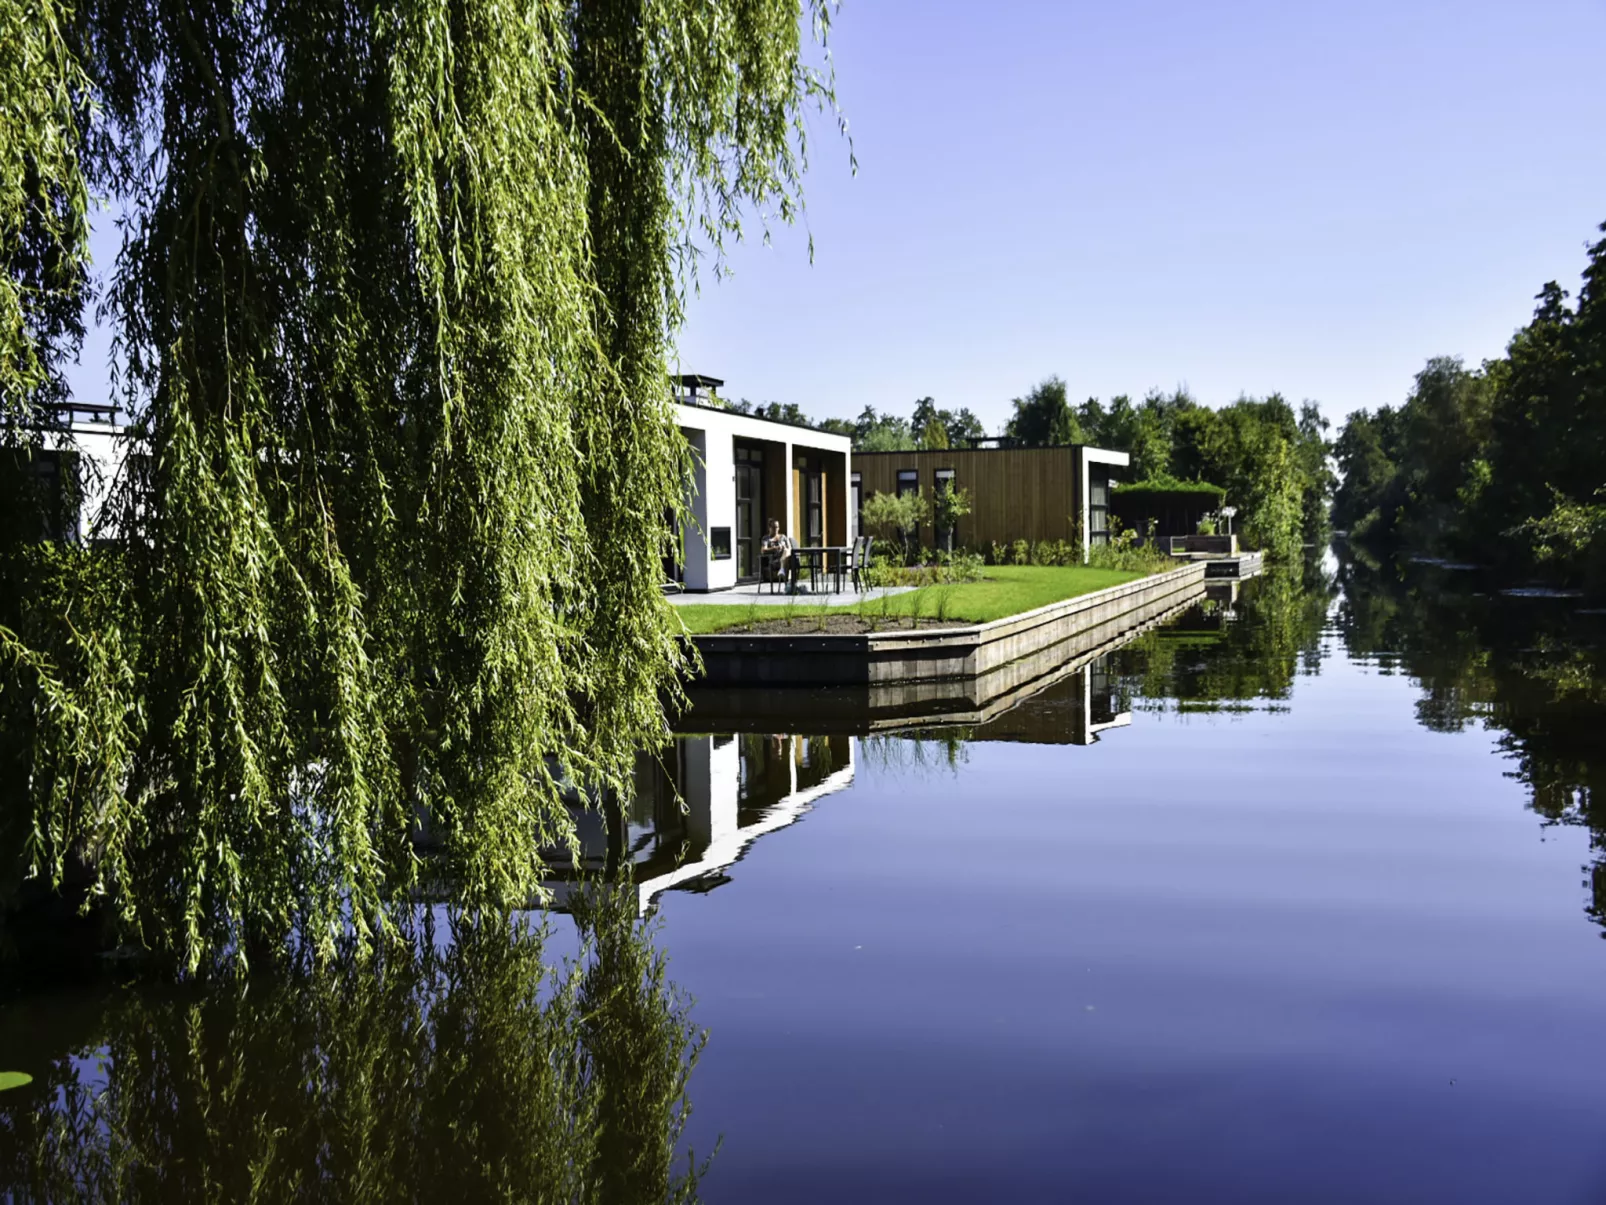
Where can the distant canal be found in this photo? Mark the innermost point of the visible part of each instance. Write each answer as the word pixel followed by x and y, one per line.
pixel 1296 898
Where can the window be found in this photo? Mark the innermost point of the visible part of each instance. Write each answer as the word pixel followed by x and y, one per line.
pixel 719 543
pixel 857 503
pixel 809 484
pixel 909 483
pixel 814 507
pixel 50 493
pixel 1098 504
pixel 749 510
pixel 947 536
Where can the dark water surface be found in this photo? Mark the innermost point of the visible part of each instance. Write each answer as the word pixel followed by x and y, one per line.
pixel 1294 933
pixel 1294 899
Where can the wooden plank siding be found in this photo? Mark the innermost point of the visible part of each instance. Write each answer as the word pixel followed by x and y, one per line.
pixel 1015 493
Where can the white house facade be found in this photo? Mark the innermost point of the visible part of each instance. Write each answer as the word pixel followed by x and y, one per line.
pixel 749 471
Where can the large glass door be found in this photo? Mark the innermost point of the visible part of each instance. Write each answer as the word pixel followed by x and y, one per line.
pixel 749 511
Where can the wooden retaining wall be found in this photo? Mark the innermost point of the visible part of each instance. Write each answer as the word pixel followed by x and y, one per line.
pixel 934 655
pixel 895 706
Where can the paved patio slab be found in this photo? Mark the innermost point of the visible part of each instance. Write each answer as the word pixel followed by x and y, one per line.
pixel 746 596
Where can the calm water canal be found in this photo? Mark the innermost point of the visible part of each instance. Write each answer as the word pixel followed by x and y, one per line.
pixel 1293 899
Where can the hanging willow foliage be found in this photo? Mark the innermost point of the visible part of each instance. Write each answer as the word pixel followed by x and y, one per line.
pixel 394 306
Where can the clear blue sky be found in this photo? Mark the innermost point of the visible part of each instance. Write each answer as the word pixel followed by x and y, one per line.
pixel 1241 197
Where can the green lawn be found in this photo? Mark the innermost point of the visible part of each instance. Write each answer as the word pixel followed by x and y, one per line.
pixel 1007 590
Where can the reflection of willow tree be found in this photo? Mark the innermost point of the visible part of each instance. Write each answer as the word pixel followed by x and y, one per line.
pixel 470 1071
pixel 1218 657
pixel 1533 671
pixel 916 751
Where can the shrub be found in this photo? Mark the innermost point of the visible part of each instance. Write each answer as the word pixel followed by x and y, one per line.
pixel 895 518
pixel 965 567
pixel 1123 551
pixel 1570 539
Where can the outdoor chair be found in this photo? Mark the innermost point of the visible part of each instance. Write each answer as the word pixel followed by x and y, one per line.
pixel 771 569
pixel 857 562
pixel 777 567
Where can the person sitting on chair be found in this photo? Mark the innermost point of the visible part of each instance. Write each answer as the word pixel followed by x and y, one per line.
pixel 780 561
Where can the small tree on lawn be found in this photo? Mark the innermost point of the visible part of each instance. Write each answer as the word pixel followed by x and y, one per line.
pixel 896 518
pixel 949 506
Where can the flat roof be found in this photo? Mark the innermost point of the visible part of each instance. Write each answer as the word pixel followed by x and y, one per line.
pixel 988 451
pixel 754 418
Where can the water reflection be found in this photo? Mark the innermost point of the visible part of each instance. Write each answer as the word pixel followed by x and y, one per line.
pixel 1234 650
pixel 699 805
pixel 475 1070
pixel 1531 669
pixel 1073 710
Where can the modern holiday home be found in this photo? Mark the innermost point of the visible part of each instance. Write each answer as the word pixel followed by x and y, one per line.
pixel 748 471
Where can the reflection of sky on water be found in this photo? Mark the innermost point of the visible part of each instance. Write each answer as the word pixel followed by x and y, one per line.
pixel 1279 903
pixel 1275 939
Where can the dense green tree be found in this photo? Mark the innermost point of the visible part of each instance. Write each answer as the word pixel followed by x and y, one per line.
pixel 394 306
pixel 1251 450
pixel 1367 448
pixel 928 425
pixel 1043 418
pixel 1314 452
pixel 933 436
pixel 1091 416
pixel 1272 462
pixel 1144 431
pixel 837 426
pixel 1505 463
pixel 925 414
pixel 874 432
pixel 1444 433
pixel 964 428
pixel 775 412
pixel 936 428
pixel 1194 435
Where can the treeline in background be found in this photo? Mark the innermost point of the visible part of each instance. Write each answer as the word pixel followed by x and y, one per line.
pixel 1270 461
pixel 1504 464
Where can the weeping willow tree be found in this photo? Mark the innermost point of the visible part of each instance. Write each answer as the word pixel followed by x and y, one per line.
pixel 393 307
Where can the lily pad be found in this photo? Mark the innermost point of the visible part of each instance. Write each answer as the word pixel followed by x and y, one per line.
pixel 14 1079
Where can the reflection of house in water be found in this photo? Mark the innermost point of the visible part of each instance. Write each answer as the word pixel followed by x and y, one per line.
pixel 1071 710
pixel 698 808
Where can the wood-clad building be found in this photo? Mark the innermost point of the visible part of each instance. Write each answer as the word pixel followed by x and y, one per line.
pixel 1174 512
pixel 1015 493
